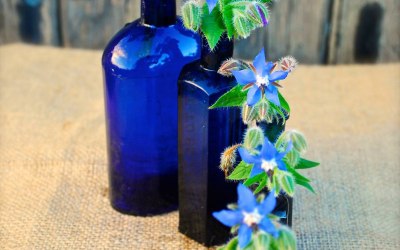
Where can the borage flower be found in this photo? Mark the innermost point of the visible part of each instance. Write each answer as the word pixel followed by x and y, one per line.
pixel 250 215
pixel 268 159
pixel 261 79
pixel 211 4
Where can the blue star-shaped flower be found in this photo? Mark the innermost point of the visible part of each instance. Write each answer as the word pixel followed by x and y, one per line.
pixel 250 215
pixel 261 80
pixel 211 4
pixel 268 159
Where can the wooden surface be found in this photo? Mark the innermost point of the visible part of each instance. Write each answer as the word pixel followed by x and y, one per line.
pixel 315 32
pixel 379 42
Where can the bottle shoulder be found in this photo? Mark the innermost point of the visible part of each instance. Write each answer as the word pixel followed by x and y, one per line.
pixel 209 81
pixel 148 49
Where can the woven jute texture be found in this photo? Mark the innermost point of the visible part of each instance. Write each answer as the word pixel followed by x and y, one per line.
pixel 53 172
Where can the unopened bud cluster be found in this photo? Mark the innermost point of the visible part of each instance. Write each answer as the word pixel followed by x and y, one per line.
pixel 299 144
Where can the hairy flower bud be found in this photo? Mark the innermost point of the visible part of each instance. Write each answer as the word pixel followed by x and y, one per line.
pixel 264 113
pixel 242 24
pixel 228 158
pixel 297 138
pixel 253 137
pixel 249 114
pixel 288 63
pixel 191 15
pixel 293 158
pixel 231 64
pixel 258 13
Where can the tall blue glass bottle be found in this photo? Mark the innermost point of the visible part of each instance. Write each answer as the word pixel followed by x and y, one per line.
pixel 203 135
pixel 141 65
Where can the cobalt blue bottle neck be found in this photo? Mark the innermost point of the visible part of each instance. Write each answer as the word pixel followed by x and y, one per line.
pixel 213 59
pixel 158 12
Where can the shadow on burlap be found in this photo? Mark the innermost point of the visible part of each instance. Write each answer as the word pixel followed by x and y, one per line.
pixel 53 175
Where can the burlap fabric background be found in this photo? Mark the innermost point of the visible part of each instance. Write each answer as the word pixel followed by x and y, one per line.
pixel 53 178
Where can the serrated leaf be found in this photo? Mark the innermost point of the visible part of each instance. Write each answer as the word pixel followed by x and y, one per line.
pixel 233 98
pixel 241 171
pixel 227 16
pixel 212 26
pixel 303 164
pixel 284 103
pixel 254 179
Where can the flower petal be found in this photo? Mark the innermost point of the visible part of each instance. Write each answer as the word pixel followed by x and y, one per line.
pixel 256 170
pixel 267 226
pixel 281 165
pixel 229 218
pixel 211 4
pixel 246 156
pixel 268 68
pixel 268 150
pixel 259 62
pixel 244 236
pixel 246 199
pixel 254 95
pixel 277 75
pixel 244 76
pixel 272 94
pixel 268 204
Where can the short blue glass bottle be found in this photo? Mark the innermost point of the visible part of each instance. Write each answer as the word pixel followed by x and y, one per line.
pixel 203 135
pixel 141 65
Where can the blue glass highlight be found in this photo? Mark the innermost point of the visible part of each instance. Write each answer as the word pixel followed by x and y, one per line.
pixel 141 67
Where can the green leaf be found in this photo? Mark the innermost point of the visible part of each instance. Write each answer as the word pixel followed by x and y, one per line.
pixel 212 26
pixel 254 179
pixel 297 175
pixel 241 171
pixel 287 182
pixel 233 98
pixel 262 185
pixel 284 103
pixel 303 164
pixel 305 184
pixel 233 244
pixel 227 16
